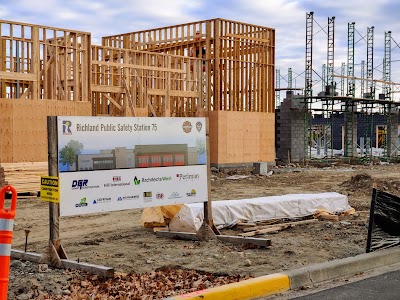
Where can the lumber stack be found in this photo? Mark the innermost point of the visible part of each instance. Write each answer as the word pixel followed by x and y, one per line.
pixel 25 177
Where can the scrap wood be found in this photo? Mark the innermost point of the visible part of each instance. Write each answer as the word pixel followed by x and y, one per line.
pixel 277 227
pixel 323 214
pixel 349 212
pixel 245 224
pixel 263 225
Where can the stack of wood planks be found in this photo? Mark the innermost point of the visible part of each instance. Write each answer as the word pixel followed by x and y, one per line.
pixel 258 228
pixel 25 177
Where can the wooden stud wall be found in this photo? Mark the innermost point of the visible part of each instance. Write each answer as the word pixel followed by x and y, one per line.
pixel 39 62
pixel 238 59
pixel 217 67
pixel 138 83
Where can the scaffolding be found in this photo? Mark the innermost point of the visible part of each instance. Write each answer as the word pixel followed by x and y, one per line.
pixel 349 103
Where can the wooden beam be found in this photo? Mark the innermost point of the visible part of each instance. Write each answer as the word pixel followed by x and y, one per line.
pixel 246 37
pixel 225 238
pixel 245 240
pixel 130 100
pixel 107 89
pixel 35 62
pixel 116 104
pixel 66 263
pixel 253 228
pixel 17 76
pixel 133 66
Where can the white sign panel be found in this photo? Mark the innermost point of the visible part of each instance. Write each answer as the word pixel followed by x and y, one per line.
pixel 110 163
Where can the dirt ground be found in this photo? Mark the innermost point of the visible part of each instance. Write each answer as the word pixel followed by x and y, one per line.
pixel 118 239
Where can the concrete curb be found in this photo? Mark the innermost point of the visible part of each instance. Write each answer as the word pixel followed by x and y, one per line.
pixel 246 289
pixel 276 283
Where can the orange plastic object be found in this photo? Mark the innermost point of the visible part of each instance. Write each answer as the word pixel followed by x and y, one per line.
pixel 7 216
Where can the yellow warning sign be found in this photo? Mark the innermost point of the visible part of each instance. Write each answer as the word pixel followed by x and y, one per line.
pixel 49 189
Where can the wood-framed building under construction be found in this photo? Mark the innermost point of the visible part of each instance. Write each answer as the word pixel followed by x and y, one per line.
pixel 217 68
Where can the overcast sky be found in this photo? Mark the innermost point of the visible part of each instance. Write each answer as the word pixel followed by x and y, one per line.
pixel 109 17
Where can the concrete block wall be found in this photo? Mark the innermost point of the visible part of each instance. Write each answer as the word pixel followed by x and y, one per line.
pixel 289 126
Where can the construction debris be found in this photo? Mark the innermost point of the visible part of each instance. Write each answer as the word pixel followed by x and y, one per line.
pixel 273 228
pixel 323 214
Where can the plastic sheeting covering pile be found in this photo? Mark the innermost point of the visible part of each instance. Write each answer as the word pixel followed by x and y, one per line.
pixel 384 226
pixel 229 212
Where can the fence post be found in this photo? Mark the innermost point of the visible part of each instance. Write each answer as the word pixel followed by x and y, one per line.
pixel 6 230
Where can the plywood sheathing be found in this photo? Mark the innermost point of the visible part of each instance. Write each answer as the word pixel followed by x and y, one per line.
pixel 241 137
pixel 23 130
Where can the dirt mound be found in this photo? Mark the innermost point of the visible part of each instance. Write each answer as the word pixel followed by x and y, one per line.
pixel 358 182
pixel 364 183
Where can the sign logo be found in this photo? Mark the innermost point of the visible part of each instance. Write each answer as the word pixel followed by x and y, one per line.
pixel 102 200
pixel 175 195
pixel 116 178
pixel 147 196
pixel 192 193
pixel 79 184
pixel 186 177
pixel 82 203
pixel 156 179
pixel 67 127
pixel 159 196
pixel 136 181
pixel 199 125
pixel 187 126
pixel 131 197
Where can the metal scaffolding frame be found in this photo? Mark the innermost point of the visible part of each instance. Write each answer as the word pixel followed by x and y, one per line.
pixel 349 104
pixel 308 91
pixel 277 89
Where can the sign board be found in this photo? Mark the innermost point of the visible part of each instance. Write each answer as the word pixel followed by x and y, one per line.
pixel 49 189
pixel 116 163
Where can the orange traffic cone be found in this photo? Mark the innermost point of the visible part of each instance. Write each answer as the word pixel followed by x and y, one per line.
pixel 6 230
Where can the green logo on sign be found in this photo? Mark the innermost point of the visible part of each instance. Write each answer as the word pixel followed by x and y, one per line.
pixel 136 181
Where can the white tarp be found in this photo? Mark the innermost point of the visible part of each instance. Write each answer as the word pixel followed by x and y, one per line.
pixel 229 212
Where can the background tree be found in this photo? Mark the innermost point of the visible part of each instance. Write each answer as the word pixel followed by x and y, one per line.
pixel 69 152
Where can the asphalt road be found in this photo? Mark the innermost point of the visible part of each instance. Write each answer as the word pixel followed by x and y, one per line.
pixel 382 287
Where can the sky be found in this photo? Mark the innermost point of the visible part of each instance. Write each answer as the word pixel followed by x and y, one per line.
pixel 109 17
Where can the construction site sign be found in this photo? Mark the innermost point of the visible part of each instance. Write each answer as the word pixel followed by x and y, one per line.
pixel 49 189
pixel 117 163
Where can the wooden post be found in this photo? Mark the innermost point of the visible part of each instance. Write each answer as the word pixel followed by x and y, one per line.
pixel 35 62
pixel 207 230
pixel 56 251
